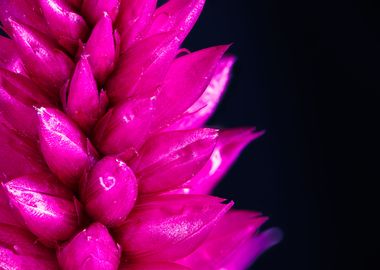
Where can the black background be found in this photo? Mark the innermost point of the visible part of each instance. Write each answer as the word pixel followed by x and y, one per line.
pixel 308 74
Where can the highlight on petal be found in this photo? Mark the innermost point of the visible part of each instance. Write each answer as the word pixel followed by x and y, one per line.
pixel 230 143
pixel 93 10
pixel 169 159
pixel 100 48
pixel 154 266
pixel 185 82
pixel 47 65
pixel 67 26
pixel 49 210
pixel 109 191
pixel 125 126
pixel 92 248
pixel 83 100
pixel 169 227
pixel 9 56
pixel 20 250
pixel 198 114
pixel 66 150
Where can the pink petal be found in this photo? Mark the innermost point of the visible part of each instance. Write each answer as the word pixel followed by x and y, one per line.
pixel 8 215
pixel 126 125
pixel 9 56
pixel 20 250
pixel 154 266
pixel 91 249
pixel 100 48
pixel 169 227
pixel 83 101
pixel 169 159
pixel 66 150
pixel 142 67
pixel 67 27
pixel 198 114
pixel 231 142
pixel 109 191
pixel 185 82
pixel 134 16
pixel 49 210
pixel 46 65
pixel 93 10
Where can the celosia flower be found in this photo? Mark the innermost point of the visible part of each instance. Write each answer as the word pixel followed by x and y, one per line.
pixel 105 163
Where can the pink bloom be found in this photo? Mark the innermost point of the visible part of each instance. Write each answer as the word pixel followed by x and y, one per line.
pixel 105 160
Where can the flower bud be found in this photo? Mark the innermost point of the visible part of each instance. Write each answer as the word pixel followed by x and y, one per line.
pixel 169 227
pixel 109 191
pixel 94 10
pixel 49 210
pixel 92 248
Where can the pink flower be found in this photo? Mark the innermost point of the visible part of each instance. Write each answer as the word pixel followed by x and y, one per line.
pixel 105 160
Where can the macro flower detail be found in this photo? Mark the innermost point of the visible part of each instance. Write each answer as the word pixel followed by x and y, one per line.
pixel 106 162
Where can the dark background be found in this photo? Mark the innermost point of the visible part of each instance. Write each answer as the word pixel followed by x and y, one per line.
pixel 307 73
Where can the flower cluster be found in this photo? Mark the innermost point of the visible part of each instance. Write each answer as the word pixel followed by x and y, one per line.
pixel 104 160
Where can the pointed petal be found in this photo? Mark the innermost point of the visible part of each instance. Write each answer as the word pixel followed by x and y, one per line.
pixel 185 82
pixel 169 227
pixel 9 56
pixel 154 266
pixel 198 114
pixel 169 159
pixel 67 26
pixel 47 207
pixel 83 102
pixel 92 248
pixel 93 10
pixel 231 142
pixel 142 67
pixel 126 125
pixel 64 147
pixel 109 191
pixel 134 16
pixel 20 250
pixel 46 65
pixel 101 48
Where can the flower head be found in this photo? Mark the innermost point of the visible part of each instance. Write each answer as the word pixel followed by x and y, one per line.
pixel 105 160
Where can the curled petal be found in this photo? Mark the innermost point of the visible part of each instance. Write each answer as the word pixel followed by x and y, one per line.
pixel 49 210
pixel 169 159
pixel 100 48
pixel 93 10
pixel 154 266
pixel 169 227
pixel 109 191
pixel 46 64
pixel 20 250
pixel 231 142
pixel 67 26
pixel 142 67
pixel 185 82
pixel 198 114
pixel 9 56
pixel 92 248
pixel 83 101
pixel 124 126
pixel 66 150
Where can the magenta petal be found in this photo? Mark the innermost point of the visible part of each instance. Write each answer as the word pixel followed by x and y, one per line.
pixel 47 207
pixel 8 215
pixel 231 142
pixel 169 227
pixel 91 249
pixel 134 16
pixel 83 102
pixel 93 10
pixel 154 266
pixel 109 191
pixel 142 67
pixel 100 48
pixel 124 126
pixel 46 65
pixel 169 159
pixel 9 56
pixel 185 82
pixel 20 250
pixel 198 114
pixel 67 26
pixel 66 150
